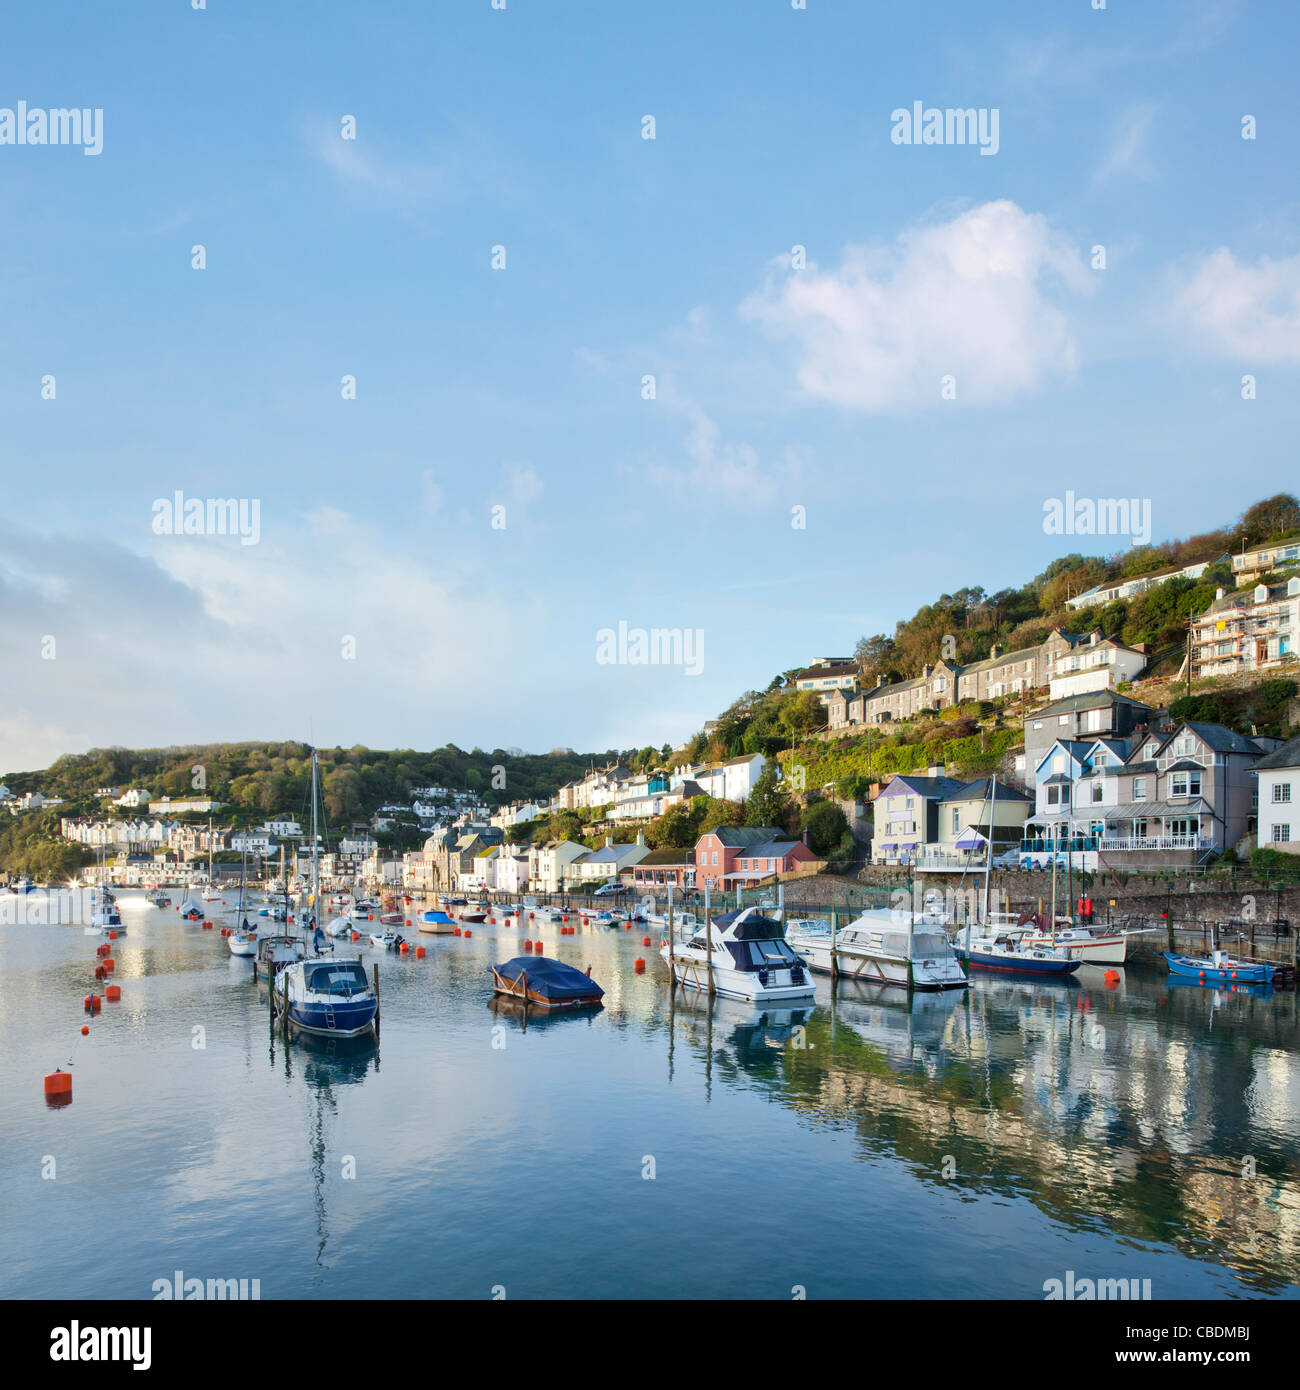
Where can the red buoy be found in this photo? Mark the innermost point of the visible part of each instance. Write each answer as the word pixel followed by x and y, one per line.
pixel 528 945
pixel 403 949
pixel 639 966
pixel 356 936
pixel 85 1028
pixel 110 964
pixel 645 941
pixel 537 947
pixel 100 972
pixel 58 1083
pixel 112 934
pixel 92 1002
pixel 419 953
pixel 468 933
pixel 458 932
pixel 627 926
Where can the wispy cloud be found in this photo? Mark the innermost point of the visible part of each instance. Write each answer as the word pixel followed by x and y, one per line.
pixel 967 298
pixel 1247 312
pixel 1127 152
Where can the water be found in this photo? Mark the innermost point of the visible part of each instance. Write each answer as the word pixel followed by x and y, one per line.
pixel 975 1145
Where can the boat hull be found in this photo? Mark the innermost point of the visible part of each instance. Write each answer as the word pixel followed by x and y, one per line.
pixel 240 947
pixel 1227 971
pixel 1009 965
pixel 333 1020
pixel 879 969
pixel 691 972
pixel 1099 950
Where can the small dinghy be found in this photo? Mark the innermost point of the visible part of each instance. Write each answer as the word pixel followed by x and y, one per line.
pixel 391 919
pixel 192 910
pixel 1219 967
pixel 340 926
pixel 389 940
pixel 433 922
pixel 548 983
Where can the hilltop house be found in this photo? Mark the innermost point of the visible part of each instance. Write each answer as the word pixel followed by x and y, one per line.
pixel 1111 589
pixel 1247 630
pixel 828 673
pixel 1278 778
pixel 1250 565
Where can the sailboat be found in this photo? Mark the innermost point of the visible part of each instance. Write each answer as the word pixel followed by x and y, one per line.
pixel 1004 948
pixel 243 940
pixel 326 994
pixel 210 892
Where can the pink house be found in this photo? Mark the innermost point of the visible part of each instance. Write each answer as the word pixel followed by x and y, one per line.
pixel 739 856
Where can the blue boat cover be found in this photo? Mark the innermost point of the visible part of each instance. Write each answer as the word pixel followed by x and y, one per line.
pixel 552 979
pixel 436 917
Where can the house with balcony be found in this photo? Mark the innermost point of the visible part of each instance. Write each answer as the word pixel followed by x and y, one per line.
pixel 1247 630
pixel 1249 566
pixel 906 815
pixel 738 856
pixel 968 818
pixel 1277 776
pixel 1111 589
pixel 1096 662
pixel 1173 799
pixel 827 674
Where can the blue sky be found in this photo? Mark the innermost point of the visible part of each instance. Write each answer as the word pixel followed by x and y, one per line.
pixel 776 388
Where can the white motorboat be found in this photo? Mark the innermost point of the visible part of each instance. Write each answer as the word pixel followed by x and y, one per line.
pixel 386 939
pixel 1080 943
pixel 885 947
pixel 750 959
pixel 340 926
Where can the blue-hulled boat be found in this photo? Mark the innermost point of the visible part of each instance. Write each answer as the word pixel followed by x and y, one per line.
pixel 1220 968
pixel 1007 952
pixel 324 994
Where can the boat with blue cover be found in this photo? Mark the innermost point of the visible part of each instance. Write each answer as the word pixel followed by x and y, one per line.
pixel 435 922
pixel 546 982
pixel 1220 968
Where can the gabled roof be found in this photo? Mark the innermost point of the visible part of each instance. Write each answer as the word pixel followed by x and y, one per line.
pixel 1090 699
pixel 1221 739
pixel 979 790
pixel 741 836
pixel 1024 654
pixel 1286 756
pixel 935 788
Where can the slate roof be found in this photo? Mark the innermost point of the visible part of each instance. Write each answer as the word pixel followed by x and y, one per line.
pixel 1286 756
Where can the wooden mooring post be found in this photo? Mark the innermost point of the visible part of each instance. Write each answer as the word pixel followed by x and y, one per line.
pixel 376 999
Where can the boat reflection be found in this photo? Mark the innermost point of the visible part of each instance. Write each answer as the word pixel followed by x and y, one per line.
pixel 528 1016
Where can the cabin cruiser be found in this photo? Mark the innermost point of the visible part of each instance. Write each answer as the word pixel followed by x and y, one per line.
pixel 22 885
pixel 104 915
pixel 883 946
pixel 750 959
pixel 1090 945
pixel 329 997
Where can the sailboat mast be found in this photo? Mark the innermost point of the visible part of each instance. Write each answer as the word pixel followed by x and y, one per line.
pixel 315 861
pixel 988 858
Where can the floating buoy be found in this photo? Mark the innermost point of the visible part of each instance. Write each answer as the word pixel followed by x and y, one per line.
pixel 92 1002
pixel 645 941
pixel 530 916
pixel 408 921
pixel 110 964
pixel 113 993
pixel 403 949
pixel 537 947
pixel 419 953
pixel 207 926
pixel 85 1028
pixel 459 931
pixel 58 1083
pixel 468 933
pixel 112 935
pixel 639 966
pixel 370 916
pixel 1201 976
pixel 100 972
pixel 356 936
pixel 564 918
pixel 1234 974
pixel 528 945
pixel 627 926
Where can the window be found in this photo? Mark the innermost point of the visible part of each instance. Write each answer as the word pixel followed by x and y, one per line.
pixel 1281 791
pixel 1097 792
pixel 1054 796
pixel 1185 784
pixel 715 858
pixel 1063 719
pixel 1281 834
pixel 1139 789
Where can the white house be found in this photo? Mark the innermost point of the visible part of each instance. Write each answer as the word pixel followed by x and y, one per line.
pixel 732 780
pixel 136 796
pixel 1101 663
pixel 511 870
pixel 1278 777
pixel 548 864
pixel 598 866
pixel 252 842
pixel 1113 589
pixel 283 826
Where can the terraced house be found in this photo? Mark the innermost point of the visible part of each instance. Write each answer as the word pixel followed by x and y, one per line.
pixel 741 855
pixel 1248 630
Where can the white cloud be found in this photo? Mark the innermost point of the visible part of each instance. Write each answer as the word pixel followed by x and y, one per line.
pixel 1247 312
pixel 968 297
pixel 1126 156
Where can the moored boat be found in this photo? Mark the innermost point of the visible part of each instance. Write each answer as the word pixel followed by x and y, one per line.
pixel 1219 967
pixel 1006 951
pixel 548 983
pixel 433 923
pixel 750 958
pixel 884 947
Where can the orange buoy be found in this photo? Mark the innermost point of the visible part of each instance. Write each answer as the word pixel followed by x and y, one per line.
pixel 112 934
pixel 408 921
pixel 356 936
pixel 85 1028
pixel 403 949
pixel 419 953
pixel 627 926
pixel 58 1083
pixel 639 966
pixel 537 947
pixel 370 916
pixel 528 945
pixel 110 964
pixel 113 993
pixel 1234 974
pixel 459 931
pixel 100 972
pixel 530 916
pixel 468 933
pixel 103 950
pixel 1201 976
pixel 91 1002
pixel 645 941
pixel 564 918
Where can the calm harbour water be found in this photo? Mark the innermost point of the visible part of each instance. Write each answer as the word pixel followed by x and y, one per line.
pixel 975 1145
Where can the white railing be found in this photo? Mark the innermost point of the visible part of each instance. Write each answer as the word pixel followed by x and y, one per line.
pixel 932 858
pixel 1156 842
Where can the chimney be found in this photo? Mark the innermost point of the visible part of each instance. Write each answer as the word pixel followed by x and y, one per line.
pixel 926 670
pixel 880 680
pixel 609 841
pixel 640 838
pixel 1092 637
pixel 995 650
